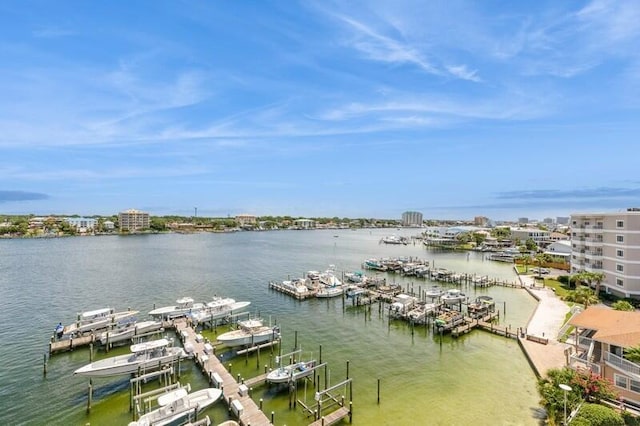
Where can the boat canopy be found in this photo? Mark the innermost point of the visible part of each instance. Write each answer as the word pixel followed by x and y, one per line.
pixel 148 346
pixel 96 314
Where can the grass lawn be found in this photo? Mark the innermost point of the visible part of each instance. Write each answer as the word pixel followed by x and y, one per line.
pixel 561 289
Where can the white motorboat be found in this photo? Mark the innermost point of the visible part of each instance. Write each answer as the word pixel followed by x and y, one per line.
pixel 434 292
pixel 178 406
pixel 292 372
pixel 453 296
pixel 218 309
pixel 354 277
pixel 250 332
pixel 129 331
pixel 98 319
pixel 144 357
pixel 329 279
pixel 333 291
pixel 183 307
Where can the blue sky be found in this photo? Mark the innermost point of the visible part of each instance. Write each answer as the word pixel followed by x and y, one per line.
pixel 320 108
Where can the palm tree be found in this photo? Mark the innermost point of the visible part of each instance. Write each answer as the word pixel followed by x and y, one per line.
pixel 591 279
pixel 585 296
pixel 597 278
pixel 633 354
pixel 623 305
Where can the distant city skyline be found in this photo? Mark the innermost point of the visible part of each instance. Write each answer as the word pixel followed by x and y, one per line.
pixel 320 108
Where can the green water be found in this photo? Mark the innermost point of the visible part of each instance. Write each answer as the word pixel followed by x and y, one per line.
pixel 479 378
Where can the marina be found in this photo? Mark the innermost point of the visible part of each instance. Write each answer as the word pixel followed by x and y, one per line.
pixel 345 330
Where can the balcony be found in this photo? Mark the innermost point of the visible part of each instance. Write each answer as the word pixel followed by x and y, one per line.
pixel 591 254
pixel 630 368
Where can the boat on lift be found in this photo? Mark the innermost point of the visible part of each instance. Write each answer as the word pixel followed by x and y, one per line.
pixel 178 406
pixel 98 319
pixel 249 333
pixel 144 357
pixel 182 308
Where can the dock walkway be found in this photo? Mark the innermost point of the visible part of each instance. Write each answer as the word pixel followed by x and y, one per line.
pixel 250 413
pixel 332 418
pixel 543 326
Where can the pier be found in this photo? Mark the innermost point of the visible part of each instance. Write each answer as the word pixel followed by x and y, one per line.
pixel 235 395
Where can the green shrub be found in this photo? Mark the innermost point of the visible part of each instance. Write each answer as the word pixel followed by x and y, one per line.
pixel 563 279
pixel 598 415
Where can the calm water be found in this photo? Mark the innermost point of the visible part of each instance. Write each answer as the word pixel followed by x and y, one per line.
pixel 479 378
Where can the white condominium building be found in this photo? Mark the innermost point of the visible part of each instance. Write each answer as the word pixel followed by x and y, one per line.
pixel 608 243
pixel 412 219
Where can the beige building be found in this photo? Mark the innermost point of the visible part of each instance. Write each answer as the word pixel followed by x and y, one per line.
pixel 608 243
pixel 601 335
pixel 247 220
pixel 133 220
pixel 540 236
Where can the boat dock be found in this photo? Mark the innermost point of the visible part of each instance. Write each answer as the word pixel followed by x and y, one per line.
pixel 235 395
pixel 70 344
pixel 486 324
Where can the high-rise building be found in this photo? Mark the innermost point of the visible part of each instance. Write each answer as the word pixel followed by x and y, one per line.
pixel 562 220
pixel 480 221
pixel 608 243
pixel 523 220
pixel 412 219
pixel 133 220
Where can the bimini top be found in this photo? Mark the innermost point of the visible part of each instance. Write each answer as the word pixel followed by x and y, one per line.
pixel 98 313
pixel 149 346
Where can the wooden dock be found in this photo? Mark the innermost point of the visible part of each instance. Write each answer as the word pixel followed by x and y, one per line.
pixel 70 344
pixel 485 324
pixel 235 395
pixel 333 417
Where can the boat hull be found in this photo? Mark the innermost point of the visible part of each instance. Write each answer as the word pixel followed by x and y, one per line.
pixel 241 338
pixel 130 364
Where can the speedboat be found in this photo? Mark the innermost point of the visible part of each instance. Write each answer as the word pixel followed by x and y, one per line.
pixel 434 292
pixel 217 309
pixel 144 357
pixel 354 277
pixel 182 308
pixel 250 332
pixel 94 320
pixel 333 291
pixel 178 406
pixel 292 372
pixel 453 296
pixel 129 331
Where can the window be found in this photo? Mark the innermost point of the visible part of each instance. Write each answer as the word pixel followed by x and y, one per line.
pixel 619 238
pixel 619 223
pixel 621 381
pixel 620 253
pixel 619 267
pixel 619 282
pixel 635 386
